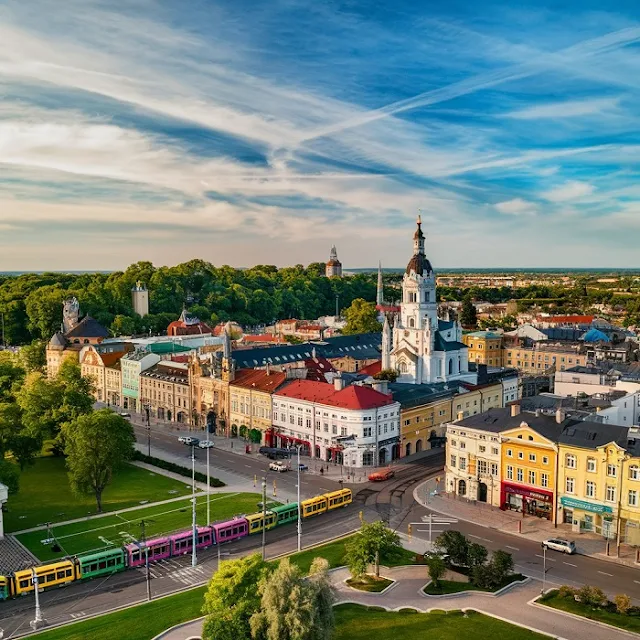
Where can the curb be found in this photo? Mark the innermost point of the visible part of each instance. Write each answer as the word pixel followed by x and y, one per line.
pixel 491 594
pixel 176 627
pixel 534 603
pixel 597 556
pixel 373 593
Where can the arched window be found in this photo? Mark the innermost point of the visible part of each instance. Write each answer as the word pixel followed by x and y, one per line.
pixel 403 367
pixel 412 323
pixel 450 367
pixel 407 449
pixel 462 488
pixel 427 296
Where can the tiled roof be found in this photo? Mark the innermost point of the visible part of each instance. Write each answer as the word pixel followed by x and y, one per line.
pixel 372 369
pixel 264 337
pixel 355 397
pixel 440 344
pixel 110 359
pixel 566 319
pixel 87 328
pixel 591 435
pixel 259 379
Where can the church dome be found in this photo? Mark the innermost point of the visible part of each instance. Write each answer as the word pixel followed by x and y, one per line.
pixel 420 264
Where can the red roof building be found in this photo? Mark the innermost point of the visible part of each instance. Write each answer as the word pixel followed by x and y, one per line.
pixel 353 397
pixel 259 379
pixel 187 325
pixel 571 320
pixel 317 367
pixel 372 369
pixel 262 339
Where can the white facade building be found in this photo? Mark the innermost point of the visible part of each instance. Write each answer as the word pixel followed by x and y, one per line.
pixel 420 347
pixel 355 425
pixel 140 300
pixel 472 463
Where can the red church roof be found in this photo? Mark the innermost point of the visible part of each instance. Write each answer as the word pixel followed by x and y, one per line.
pixel 372 369
pixel 354 397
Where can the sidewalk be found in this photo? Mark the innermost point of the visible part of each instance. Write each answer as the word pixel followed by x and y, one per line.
pixel 536 529
pixel 513 605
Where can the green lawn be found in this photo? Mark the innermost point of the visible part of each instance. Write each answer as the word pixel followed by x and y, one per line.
pixel 451 586
pixel 551 599
pixel 137 623
pixel 334 552
pixel 354 622
pixel 370 584
pixel 45 495
pixel 81 537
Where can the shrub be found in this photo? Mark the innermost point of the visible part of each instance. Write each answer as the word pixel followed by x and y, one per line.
pixel 476 554
pixel 176 468
pixel 484 576
pixel 455 545
pixel 566 592
pixel 623 603
pixel 437 569
pixel 591 596
pixel 502 563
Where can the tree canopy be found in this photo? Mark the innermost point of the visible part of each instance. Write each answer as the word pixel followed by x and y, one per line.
pixel 96 445
pixel 361 317
pixel 374 540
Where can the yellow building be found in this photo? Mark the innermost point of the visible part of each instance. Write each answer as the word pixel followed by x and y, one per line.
pixel 591 474
pixel 541 358
pixel 250 401
pixel 529 462
pixel 628 529
pixel 97 364
pixel 485 347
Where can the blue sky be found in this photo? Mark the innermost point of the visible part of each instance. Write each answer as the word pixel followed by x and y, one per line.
pixel 264 132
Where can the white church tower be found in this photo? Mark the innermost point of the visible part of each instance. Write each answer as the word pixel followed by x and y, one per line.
pixel 424 348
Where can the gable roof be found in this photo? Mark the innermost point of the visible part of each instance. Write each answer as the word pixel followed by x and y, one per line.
pixel 354 397
pixel 591 435
pixel 87 328
pixel 500 420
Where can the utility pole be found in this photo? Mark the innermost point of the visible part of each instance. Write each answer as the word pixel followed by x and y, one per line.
pixel 208 490
pixel 143 539
pixel 544 568
pixel 38 621
pixel 194 559
pixel 337 307
pixel 299 507
pixel 264 518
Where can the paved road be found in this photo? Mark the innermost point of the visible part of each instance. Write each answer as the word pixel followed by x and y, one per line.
pixel 80 600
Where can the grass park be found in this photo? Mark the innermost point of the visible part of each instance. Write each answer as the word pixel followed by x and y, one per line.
pixel 114 529
pixel 45 495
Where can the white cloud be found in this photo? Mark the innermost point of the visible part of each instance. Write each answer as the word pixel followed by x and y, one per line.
pixel 516 207
pixel 569 191
pixel 566 109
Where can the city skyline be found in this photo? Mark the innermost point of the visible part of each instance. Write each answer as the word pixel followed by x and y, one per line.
pixel 247 133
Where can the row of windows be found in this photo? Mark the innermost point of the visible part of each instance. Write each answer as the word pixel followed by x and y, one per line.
pixel 532 456
pixel 484 468
pixel 532 476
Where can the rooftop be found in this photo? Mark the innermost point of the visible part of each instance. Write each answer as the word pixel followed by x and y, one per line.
pixel 498 420
pixel 259 379
pixel 591 435
pixel 353 397
pixel 87 328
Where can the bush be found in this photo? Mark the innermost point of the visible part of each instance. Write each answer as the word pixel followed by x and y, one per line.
pixel 483 576
pixel 176 468
pixel 502 563
pixel 623 603
pixel 437 569
pixel 476 554
pixel 592 596
pixel 455 545
pixel 566 592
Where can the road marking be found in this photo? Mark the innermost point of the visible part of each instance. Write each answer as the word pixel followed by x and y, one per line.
pixel 606 574
pixel 571 565
pixel 548 559
pixel 636 581
pixel 514 548
pixel 479 538
pixel 248 466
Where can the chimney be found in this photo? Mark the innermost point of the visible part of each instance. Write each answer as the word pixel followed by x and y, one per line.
pixel 483 376
pixel 268 369
pixel 560 416
pixel 515 410
pixel 381 385
pixel 338 383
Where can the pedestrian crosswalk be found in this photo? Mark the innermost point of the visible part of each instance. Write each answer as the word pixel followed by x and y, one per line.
pixel 179 571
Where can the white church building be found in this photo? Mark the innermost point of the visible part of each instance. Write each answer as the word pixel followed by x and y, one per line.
pixel 422 348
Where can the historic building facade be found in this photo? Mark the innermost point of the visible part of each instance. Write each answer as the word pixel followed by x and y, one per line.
pixel 421 347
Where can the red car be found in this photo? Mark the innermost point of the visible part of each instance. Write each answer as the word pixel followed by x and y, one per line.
pixel 380 476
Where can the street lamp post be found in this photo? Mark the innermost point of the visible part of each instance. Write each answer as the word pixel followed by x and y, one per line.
pixel 194 559
pixel 208 490
pixel 299 507
pixel 38 621
pixel 544 568
pixel 264 518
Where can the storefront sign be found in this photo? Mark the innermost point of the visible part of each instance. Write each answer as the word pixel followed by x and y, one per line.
pixel 384 443
pixel 528 493
pixel 572 503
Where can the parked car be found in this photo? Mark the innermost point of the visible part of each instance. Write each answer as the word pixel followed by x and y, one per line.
pixel 559 544
pixel 278 466
pixel 124 414
pixel 205 444
pixel 189 440
pixel 303 467
pixel 383 474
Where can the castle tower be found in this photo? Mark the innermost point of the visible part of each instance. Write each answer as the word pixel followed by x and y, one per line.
pixel 140 299
pixel 70 314
pixel 333 268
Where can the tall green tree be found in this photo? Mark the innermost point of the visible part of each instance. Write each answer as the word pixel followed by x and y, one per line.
pixel 96 446
pixel 33 356
pixel 10 476
pixel 374 540
pixel 468 317
pixel 455 545
pixel 292 607
pixel 361 317
pixel 232 598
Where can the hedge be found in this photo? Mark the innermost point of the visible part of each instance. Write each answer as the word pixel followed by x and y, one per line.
pixel 176 468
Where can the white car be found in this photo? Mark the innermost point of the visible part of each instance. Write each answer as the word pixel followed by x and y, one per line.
pixel 124 414
pixel 278 466
pixel 559 544
pixel 206 444
pixel 189 440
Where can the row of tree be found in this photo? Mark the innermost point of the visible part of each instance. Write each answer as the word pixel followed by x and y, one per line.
pixel 31 303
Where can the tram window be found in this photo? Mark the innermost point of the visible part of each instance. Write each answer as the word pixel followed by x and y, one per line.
pixel 61 575
pixel 111 562
pixel 50 577
pixel 24 584
pixel 102 565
